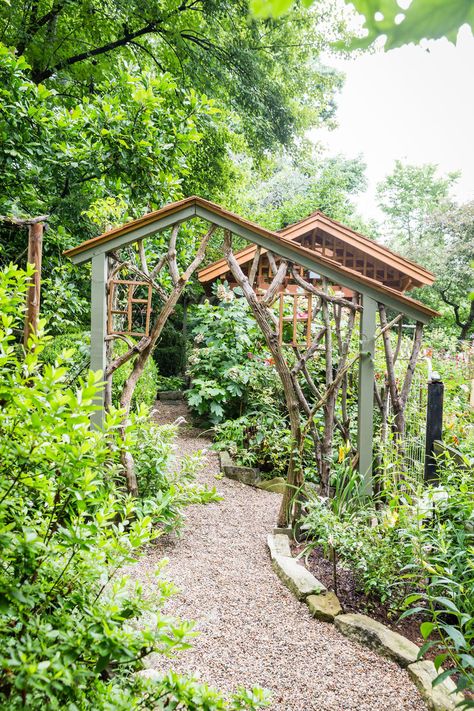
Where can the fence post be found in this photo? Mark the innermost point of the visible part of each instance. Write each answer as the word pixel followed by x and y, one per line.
pixel 434 424
pixel 99 327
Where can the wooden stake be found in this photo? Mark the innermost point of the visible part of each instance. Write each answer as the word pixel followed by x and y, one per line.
pixel 35 251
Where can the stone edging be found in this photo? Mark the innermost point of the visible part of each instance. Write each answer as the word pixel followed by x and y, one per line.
pixel 249 475
pixel 324 605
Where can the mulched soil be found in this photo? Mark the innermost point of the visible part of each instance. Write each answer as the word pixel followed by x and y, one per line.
pixel 352 599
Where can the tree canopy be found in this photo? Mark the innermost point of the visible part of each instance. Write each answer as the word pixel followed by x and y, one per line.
pixel 109 110
pixel 266 72
pixel 424 223
pixel 293 185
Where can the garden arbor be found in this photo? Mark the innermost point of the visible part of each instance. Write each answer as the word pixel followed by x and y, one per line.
pixel 305 298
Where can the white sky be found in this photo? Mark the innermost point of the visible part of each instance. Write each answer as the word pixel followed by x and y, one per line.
pixel 409 104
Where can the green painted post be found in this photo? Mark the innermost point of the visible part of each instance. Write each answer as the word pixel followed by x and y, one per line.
pixel 98 325
pixel 365 422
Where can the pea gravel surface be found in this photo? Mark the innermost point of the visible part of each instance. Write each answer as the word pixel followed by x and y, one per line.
pixel 251 630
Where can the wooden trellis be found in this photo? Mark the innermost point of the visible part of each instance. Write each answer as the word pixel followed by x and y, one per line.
pixel 129 313
pixel 301 314
pixel 327 323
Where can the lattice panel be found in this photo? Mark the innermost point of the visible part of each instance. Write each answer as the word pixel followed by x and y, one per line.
pixel 129 308
pixel 299 319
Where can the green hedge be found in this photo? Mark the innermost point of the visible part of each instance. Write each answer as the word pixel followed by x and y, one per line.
pixel 170 352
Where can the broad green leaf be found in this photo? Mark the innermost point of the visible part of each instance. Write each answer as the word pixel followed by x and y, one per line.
pixel 426 629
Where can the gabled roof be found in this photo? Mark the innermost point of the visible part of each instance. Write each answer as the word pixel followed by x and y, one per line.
pixel 418 275
pixel 281 245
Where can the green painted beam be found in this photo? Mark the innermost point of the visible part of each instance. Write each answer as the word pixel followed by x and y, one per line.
pixel 135 235
pixel 286 251
pixel 365 419
pixel 98 325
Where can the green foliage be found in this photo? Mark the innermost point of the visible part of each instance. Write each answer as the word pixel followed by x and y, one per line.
pixel 165 488
pixel 63 302
pixel 65 530
pixel 408 196
pixel 170 351
pixel 78 346
pixel 172 382
pixel 417 544
pixel 424 19
pixel 447 568
pixel 424 224
pixel 261 438
pixel 81 161
pixel 147 385
pixel 235 386
pixel 368 542
pixel 297 184
pixel 178 692
pixel 207 45
pixel 225 336
pixel 454 231
pixel 127 138
pixel 72 628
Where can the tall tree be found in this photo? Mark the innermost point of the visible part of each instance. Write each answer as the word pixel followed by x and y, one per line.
pixel 455 270
pixel 267 72
pixel 295 184
pixel 408 196
pixel 112 109
pixel 425 224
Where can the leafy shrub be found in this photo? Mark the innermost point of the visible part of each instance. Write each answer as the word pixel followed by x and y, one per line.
pixel 170 382
pixel 147 386
pixel 63 302
pixel 170 351
pixel 371 545
pixel 78 345
pixel 260 438
pixel 72 630
pixel 445 577
pixel 164 488
pixel 418 546
pixel 225 337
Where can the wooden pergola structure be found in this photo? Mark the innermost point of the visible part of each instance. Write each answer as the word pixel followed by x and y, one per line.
pixel 334 269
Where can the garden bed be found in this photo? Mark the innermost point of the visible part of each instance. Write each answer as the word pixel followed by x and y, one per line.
pixel 353 599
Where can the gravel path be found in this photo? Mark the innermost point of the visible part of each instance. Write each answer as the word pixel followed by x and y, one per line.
pixel 252 631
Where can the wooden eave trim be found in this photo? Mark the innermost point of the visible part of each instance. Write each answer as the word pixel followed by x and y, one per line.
pixel 289 249
pixel 131 226
pixel 268 240
pixel 378 252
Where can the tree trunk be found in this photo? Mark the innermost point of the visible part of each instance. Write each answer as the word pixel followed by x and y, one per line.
pixel 147 346
pixel 294 474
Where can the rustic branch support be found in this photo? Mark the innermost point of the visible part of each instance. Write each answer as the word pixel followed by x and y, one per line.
pixel 399 396
pixel 323 324
pixel 33 296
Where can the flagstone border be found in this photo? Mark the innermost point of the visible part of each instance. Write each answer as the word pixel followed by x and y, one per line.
pixel 325 606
